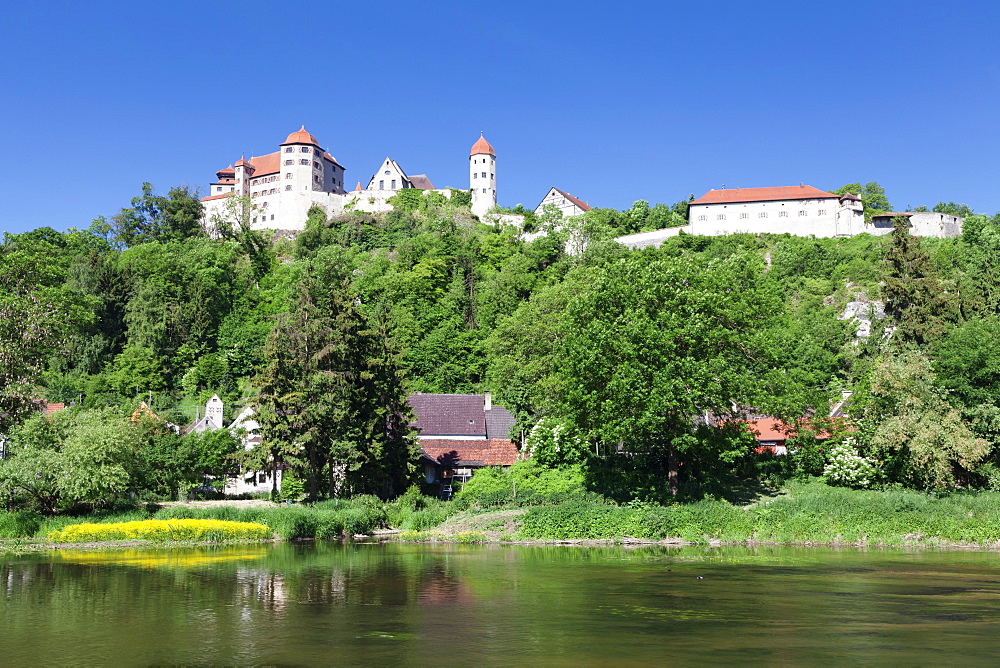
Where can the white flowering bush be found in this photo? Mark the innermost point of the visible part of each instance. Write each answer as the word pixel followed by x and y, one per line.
pixel 846 468
pixel 553 443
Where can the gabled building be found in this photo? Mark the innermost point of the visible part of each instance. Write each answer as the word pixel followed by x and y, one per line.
pixel 562 200
pixel 390 176
pixel 459 433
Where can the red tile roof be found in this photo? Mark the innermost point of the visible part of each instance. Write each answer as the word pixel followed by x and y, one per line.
pixel 219 196
pixel 358 188
pixel 773 429
pixel 736 195
pixel 482 146
pixel 450 453
pixel 301 136
pixel 266 164
pixel 579 202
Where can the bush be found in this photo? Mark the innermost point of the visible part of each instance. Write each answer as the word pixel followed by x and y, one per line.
pixel 161 530
pixel 20 524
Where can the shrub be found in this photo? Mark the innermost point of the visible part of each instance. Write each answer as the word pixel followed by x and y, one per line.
pixel 846 468
pixel 161 530
pixel 20 524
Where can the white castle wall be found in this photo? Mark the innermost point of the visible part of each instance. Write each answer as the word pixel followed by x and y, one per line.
pixel 816 217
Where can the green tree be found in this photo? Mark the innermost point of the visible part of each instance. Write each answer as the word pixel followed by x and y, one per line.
pixel 156 218
pixel 872 196
pixel 914 294
pixel 656 343
pixel 909 427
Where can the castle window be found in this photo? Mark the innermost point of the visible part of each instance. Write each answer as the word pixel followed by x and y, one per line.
pixel 762 214
pixel 288 149
pixel 803 213
pixel 253 194
pixel 272 216
pixel 393 184
pixel 702 217
pixel 821 212
pixel 492 175
pixel 288 175
pixel 721 216
pixel 274 190
pixel 303 162
pixel 264 205
pixel 475 175
pixel 304 149
pixel 484 175
pixel 386 172
pixel 288 187
pixel 744 215
pixel 484 189
pixel 782 214
pixel 218 189
pixel 381 185
pixel 289 162
pixel 317 165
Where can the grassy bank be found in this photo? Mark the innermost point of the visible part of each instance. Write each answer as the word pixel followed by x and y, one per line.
pixel 803 513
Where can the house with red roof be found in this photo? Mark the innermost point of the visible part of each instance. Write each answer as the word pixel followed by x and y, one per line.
pixel 459 433
pixel 562 200
pixel 800 210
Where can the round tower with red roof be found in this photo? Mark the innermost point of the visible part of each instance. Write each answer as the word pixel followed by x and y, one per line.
pixel 482 176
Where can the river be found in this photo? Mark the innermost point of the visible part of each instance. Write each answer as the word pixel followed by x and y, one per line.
pixel 402 604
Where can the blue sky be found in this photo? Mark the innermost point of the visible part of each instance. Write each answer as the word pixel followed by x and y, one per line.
pixel 610 102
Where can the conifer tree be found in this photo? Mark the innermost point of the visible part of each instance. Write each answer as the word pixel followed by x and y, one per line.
pixel 914 295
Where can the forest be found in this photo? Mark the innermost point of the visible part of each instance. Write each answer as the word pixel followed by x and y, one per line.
pixel 628 370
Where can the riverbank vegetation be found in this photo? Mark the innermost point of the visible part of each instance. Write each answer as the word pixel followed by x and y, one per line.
pixel 632 374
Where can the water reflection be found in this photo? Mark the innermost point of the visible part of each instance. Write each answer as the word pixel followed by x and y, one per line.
pixel 323 603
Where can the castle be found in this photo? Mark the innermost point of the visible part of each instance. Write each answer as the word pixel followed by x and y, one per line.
pixel 282 186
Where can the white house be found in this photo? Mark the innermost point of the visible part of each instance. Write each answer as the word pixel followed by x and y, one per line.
pixel 800 210
pixel 282 186
pixel 562 200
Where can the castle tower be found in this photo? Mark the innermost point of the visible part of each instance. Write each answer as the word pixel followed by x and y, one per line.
pixel 243 170
pixel 482 177
pixel 301 162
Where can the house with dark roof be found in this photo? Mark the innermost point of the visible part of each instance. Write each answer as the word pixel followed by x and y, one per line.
pixel 459 433
pixel 562 200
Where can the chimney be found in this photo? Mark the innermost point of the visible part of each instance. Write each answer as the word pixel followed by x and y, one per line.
pixel 488 401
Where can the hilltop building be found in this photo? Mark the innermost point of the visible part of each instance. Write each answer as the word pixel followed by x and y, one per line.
pixel 803 211
pixel 800 210
pixel 562 200
pixel 284 185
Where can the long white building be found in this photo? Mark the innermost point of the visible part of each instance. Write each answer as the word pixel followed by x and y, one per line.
pixel 282 186
pixel 800 210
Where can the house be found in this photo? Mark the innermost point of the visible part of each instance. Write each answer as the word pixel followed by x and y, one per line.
pixel 800 210
pixel 247 430
pixel 562 200
pixel 459 433
pixel 283 185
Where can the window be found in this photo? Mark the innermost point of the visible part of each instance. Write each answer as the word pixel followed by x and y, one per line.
pixel 744 215
pixel 381 185
pixel 304 149
pixel 288 149
pixel 484 189
pixel 274 190
pixel 303 162
pixel 317 165
pixel 272 216
pixel 821 212
pixel 289 162
pixel 782 214
pixel 492 176
pixel 218 189
pixel 264 205
pixel 394 184
pixel 721 216
pixel 475 175
pixel 253 194
pixel 703 217
pixel 484 175
pixel 762 214
pixel 288 175
pixel 315 178
pixel 803 213
pixel 288 187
